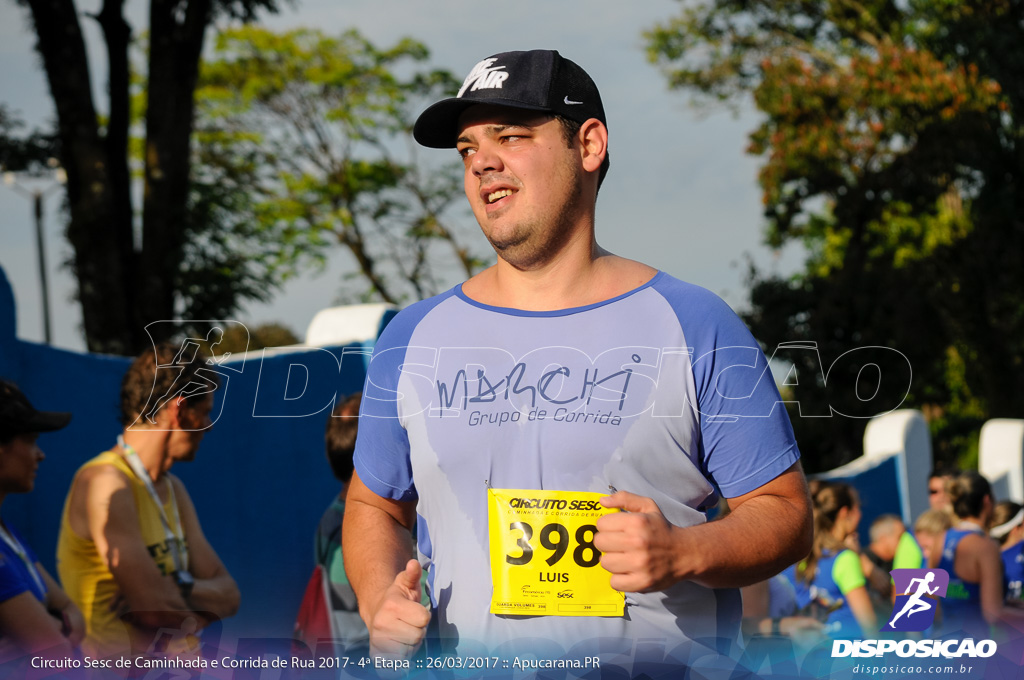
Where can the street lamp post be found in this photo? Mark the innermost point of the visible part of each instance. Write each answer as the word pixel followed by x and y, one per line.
pixel 37 195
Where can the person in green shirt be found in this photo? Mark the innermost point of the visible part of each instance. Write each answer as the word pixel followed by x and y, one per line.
pixel 340 439
pixel 892 543
pixel 894 547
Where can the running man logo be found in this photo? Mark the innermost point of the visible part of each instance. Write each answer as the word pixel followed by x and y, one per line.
pixel 917 593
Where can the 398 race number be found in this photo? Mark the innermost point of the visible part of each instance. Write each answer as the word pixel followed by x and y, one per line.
pixel 543 558
pixel 585 554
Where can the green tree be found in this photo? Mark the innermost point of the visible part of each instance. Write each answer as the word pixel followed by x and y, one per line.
pixel 128 273
pixel 892 150
pixel 20 151
pixel 316 130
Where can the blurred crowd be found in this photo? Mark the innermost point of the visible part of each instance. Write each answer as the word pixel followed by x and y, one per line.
pixel 844 590
pixel 135 573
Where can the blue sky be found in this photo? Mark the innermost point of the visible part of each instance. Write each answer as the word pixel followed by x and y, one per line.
pixel 681 195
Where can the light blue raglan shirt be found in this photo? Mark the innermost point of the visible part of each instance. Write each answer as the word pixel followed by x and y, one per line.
pixel 661 391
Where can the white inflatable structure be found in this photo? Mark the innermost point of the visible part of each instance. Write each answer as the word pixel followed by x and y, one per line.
pixel 905 434
pixel 897 458
pixel 1001 457
pixel 344 325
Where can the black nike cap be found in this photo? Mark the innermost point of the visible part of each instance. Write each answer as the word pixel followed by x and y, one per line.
pixel 19 416
pixel 538 80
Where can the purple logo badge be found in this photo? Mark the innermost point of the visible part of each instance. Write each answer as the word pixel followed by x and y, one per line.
pixel 917 593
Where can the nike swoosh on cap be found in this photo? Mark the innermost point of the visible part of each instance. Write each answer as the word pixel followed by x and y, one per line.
pixel 569 101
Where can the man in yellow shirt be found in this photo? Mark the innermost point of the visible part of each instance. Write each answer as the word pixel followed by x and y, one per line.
pixel 131 552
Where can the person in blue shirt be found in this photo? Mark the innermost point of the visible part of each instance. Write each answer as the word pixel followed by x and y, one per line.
pixel 36 616
pixel 1008 530
pixel 832 572
pixel 771 608
pixel 563 370
pixel 974 598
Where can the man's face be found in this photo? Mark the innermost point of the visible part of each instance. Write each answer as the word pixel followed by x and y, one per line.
pixel 885 547
pixel 854 518
pixel 19 459
pixel 523 182
pixel 937 498
pixel 929 544
pixel 193 423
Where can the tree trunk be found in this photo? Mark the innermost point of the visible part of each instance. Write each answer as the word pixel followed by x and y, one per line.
pixel 117 35
pixel 93 229
pixel 176 43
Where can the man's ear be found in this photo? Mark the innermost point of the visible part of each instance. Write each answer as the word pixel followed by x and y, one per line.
pixel 593 137
pixel 168 416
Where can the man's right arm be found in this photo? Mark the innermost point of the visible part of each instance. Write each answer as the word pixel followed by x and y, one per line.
pixel 150 599
pixel 380 565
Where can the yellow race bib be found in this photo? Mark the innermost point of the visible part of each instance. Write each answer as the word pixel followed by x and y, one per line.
pixel 543 559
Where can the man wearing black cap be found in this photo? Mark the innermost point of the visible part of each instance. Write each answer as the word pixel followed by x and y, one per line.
pixel 513 418
pixel 36 616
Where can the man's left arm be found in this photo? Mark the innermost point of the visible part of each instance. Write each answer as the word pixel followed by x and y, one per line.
pixel 215 590
pixel 767 529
